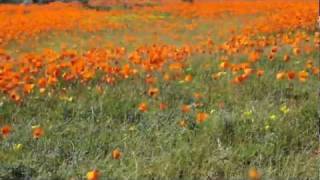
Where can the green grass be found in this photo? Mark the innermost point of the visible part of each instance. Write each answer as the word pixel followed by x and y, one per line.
pixel 83 128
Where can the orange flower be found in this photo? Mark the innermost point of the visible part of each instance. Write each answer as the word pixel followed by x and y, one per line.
pixel 183 123
pixel 163 106
pixel 166 77
pixel 42 82
pixel 150 79
pixel 116 154
pixel 202 116
pixel 15 97
pixel 110 80
pixel 260 72
pixel 303 76
pixel 185 108
pixel 153 92
pixel 286 58
pixel 309 64
pixel 254 174
pixel 296 51
pixel 27 88
pixel 6 130
pixel 143 107
pixel 248 71
pixel 197 95
pixel 254 57
pixel 291 75
pixel 37 133
pixel 93 175
pixel 274 49
pixel 271 56
pixel 52 80
pixel 315 71
pixel 224 65
pixel 240 79
pixel 281 75
pixel 188 78
pixel 177 67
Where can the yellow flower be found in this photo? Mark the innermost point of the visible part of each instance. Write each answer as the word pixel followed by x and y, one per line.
pixel 17 147
pixel 267 127
pixel 284 109
pixel 132 128
pixel 273 117
pixel 35 126
pixel 66 98
pixel 247 113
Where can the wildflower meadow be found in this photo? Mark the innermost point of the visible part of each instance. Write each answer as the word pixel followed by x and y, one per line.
pixel 202 90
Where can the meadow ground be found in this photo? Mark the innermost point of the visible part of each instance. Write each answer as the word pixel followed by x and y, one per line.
pixel 210 90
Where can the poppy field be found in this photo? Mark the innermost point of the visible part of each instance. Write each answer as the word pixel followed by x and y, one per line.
pixel 206 90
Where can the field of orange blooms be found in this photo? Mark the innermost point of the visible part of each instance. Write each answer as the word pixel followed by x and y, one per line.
pixel 204 90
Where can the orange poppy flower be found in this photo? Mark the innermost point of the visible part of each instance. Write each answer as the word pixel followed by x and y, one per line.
pixel 166 77
pixel 93 175
pixel 188 78
pixel 274 49
pixel 254 174
pixel 315 71
pixel 116 154
pixel 260 72
pixel 6 130
pixel 150 79
pixel 37 133
pixel 224 65
pixel 202 116
pixel 286 58
pixel 197 95
pixel 296 51
pixel 175 67
pixel 185 108
pixel 303 76
pixel 163 106
pixel 52 80
pixel 254 57
pixel 309 64
pixel 281 76
pixel 110 80
pixel 183 123
pixel 14 96
pixel 271 56
pixel 248 71
pixel 240 79
pixel 153 92
pixel 143 107
pixel 291 75
pixel 27 88
pixel 42 82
